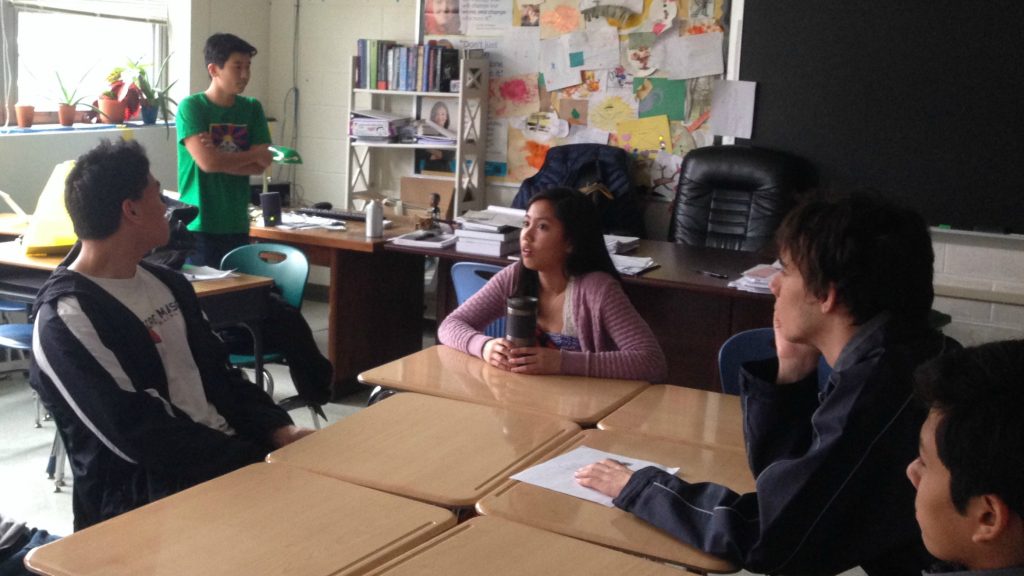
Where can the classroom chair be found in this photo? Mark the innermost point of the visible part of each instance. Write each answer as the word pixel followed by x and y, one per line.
pixel 734 197
pixel 289 268
pixel 756 344
pixel 468 277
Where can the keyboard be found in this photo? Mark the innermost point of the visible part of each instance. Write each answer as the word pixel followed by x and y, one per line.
pixel 332 214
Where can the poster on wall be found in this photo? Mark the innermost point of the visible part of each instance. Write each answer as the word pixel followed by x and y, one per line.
pixel 441 17
pixel 486 17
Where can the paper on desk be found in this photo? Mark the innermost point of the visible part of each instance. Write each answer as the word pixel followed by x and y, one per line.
pixel 197 273
pixel 293 221
pixel 632 265
pixel 558 474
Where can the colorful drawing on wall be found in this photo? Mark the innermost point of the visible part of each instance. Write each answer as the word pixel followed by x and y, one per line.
pixel 664 171
pixel 700 16
pixel 514 96
pixel 605 111
pixel 558 17
pixel 529 15
pixel 682 140
pixel 657 96
pixel 573 111
pixel 525 156
pixel 633 18
pixel 639 53
pixel 643 134
pixel 698 100
pixel 662 15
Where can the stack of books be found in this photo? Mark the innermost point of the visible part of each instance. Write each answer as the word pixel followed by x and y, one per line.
pixel 376 125
pixel 386 65
pixel 757 279
pixel 499 241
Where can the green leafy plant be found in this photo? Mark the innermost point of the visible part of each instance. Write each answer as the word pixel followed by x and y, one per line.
pixel 69 97
pixel 152 94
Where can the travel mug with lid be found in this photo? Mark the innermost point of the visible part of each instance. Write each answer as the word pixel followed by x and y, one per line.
pixel 521 321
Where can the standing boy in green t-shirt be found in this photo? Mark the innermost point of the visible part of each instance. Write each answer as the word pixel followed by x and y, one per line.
pixel 223 138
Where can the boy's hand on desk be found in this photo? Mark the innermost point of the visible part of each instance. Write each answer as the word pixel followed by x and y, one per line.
pixel 535 360
pixel 285 435
pixel 607 477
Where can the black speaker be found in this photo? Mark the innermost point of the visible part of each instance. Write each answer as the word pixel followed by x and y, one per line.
pixel 271 204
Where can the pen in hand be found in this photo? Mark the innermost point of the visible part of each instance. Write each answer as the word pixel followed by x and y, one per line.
pixel 712 274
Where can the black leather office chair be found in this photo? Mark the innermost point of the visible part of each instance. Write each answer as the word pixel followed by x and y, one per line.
pixel 734 197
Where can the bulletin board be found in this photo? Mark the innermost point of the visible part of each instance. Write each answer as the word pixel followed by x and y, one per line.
pixel 637 74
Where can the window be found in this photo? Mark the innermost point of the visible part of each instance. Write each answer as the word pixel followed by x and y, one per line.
pixel 82 40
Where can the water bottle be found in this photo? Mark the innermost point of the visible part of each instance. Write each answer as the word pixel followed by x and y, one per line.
pixel 374 219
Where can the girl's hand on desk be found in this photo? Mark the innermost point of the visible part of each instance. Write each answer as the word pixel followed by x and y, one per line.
pixel 607 477
pixel 496 353
pixel 535 360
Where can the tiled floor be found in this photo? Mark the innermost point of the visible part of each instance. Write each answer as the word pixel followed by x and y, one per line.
pixel 25 492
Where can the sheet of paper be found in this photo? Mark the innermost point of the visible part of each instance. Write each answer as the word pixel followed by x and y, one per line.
pixel 558 473
pixel 644 134
pixel 732 108
pixel 485 17
pixel 197 273
pixel 516 53
pixel 682 57
pixel 585 135
pixel 600 44
pixel 513 96
pixel 607 109
pixel 560 67
pixel 657 96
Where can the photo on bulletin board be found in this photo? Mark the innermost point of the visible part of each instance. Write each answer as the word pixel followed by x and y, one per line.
pixel 442 124
pixel 441 17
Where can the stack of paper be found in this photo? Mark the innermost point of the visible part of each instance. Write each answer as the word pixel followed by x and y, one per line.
pixel 492 219
pixel 757 279
pixel 620 244
pixel 632 265
pixel 425 239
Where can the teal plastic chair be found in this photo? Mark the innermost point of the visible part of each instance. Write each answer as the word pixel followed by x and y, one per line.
pixel 468 277
pixel 749 345
pixel 289 268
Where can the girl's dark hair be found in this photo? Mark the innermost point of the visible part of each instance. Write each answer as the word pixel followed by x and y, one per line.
pixel 581 224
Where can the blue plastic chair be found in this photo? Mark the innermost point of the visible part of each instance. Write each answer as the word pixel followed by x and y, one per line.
pixel 468 277
pixel 289 268
pixel 756 344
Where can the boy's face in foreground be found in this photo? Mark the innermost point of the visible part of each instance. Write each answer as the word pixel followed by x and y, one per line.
pixel 234 76
pixel 946 532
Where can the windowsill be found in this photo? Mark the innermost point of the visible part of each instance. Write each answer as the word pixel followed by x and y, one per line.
pixel 78 127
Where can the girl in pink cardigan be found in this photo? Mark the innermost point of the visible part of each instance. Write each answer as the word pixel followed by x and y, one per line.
pixel 586 325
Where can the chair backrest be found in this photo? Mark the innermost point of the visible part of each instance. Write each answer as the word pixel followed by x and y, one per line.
pixel 734 197
pixel 756 344
pixel 468 277
pixel 579 165
pixel 286 265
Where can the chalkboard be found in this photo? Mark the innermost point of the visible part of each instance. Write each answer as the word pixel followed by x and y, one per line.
pixel 921 99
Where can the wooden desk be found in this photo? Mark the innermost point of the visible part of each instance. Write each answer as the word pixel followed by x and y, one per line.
pixel 498 548
pixel 432 449
pixel 691 314
pixel 443 371
pixel 615 528
pixel 376 297
pixel 261 519
pixel 676 413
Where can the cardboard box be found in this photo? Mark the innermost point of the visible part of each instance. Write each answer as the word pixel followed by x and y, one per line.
pixel 415 195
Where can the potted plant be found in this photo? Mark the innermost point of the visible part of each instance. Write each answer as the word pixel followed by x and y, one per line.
pixel 121 101
pixel 67 106
pixel 156 101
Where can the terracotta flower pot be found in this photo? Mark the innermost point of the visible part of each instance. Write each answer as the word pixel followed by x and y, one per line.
pixel 25 114
pixel 111 111
pixel 66 113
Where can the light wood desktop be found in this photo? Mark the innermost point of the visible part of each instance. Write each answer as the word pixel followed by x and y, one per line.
pixel 261 519
pixel 677 413
pixel 432 449
pixel 376 297
pixel 613 527
pixel 12 225
pixel 492 546
pixel 443 371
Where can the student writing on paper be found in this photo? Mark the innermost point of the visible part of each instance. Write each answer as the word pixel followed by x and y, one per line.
pixel 856 286
pixel 125 361
pixel 585 323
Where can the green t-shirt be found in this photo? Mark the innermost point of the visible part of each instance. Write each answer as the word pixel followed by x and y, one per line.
pixel 223 199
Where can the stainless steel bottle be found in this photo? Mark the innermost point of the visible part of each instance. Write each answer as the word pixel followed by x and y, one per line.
pixel 374 219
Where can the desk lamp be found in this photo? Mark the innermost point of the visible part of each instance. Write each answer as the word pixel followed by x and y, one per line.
pixel 271 203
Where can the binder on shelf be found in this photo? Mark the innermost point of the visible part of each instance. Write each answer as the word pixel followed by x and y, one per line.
pixel 376 124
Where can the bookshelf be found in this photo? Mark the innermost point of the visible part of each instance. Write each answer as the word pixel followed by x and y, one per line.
pixel 363 169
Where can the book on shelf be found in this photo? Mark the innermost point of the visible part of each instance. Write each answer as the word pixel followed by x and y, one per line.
pixel 388 65
pixel 486 247
pixel 425 239
pixel 502 234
